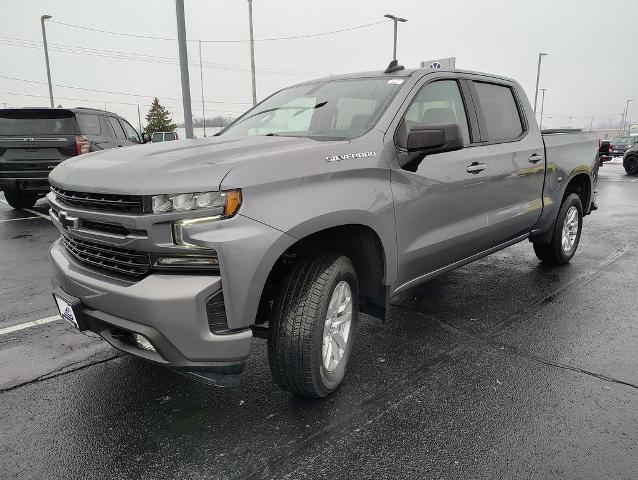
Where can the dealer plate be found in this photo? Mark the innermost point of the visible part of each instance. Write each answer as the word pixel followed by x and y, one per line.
pixel 66 311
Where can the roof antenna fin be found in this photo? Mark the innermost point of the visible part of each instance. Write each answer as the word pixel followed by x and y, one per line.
pixel 394 67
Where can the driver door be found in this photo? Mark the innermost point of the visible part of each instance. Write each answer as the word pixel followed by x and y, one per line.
pixel 440 208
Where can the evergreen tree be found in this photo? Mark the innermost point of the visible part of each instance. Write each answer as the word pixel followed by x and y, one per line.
pixel 158 119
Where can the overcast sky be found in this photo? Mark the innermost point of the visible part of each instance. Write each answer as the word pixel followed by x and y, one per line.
pixel 591 69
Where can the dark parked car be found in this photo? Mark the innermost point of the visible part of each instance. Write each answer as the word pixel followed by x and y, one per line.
pixel 34 140
pixel 619 145
pixel 630 160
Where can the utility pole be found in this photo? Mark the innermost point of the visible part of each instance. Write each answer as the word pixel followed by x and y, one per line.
pixel 396 20
pixel 570 122
pixel 252 50
pixel 542 107
pixel 591 124
pixel 201 80
pixel 46 55
pixel 538 76
pixel 183 66
pixel 139 118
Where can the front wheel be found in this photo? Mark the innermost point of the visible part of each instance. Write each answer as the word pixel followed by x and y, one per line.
pixel 19 199
pixel 312 324
pixel 566 236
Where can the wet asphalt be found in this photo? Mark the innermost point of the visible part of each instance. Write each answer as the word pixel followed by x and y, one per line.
pixel 504 368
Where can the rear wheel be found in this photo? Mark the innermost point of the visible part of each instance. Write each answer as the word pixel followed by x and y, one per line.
pixel 312 324
pixel 20 199
pixel 566 236
pixel 631 164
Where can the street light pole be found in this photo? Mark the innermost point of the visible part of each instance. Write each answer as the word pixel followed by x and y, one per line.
pixel 252 50
pixel 624 118
pixel 201 80
pixel 46 55
pixel 538 76
pixel 396 20
pixel 183 66
pixel 542 107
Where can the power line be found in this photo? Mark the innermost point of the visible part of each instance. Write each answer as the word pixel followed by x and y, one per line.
pixel 271 39
pixel 117 93
pixel 122 55
pixel 105 101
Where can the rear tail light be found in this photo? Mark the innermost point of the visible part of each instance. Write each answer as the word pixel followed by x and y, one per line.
pixel 81 145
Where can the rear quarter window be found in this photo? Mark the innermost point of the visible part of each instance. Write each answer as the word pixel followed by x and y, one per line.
pixel 89 124
pixel 500 112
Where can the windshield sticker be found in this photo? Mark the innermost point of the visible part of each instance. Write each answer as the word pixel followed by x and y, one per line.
pixel 395 81
pixel 349 156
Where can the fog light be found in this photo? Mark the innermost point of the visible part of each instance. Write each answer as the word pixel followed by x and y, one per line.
pixel 143 342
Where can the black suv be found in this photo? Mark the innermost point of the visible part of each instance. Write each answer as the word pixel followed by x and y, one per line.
pixel 34 140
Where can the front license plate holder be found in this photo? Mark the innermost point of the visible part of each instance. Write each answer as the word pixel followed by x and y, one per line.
pixel 70 309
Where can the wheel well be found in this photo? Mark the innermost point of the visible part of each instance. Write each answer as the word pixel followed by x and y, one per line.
pixel 581 186
pixel 359 243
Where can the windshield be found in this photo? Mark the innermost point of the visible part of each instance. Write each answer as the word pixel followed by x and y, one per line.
pixel 334 109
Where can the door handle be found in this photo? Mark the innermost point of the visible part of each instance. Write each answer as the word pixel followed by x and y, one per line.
pixel 535 158
pixel 476 167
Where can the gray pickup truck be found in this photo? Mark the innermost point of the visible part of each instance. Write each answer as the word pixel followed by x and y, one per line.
pixel 320 203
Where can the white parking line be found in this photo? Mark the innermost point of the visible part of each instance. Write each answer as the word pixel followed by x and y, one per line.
pixel 16 219
pixel 37 213
pixel 34 323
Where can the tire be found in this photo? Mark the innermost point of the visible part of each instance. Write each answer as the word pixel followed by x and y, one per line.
pixel 631 164
pixel 19 199
pixel 298 319
pixel 554 252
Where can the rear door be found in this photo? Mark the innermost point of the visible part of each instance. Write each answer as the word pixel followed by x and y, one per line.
pixel 515 152
pixel 120 136
pixel 96 131
pixel 33 141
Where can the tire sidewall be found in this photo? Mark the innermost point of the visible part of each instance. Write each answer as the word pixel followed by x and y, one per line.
pixel 572 200
pixel 329 381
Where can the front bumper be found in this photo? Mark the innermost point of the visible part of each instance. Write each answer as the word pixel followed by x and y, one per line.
pixel 168 309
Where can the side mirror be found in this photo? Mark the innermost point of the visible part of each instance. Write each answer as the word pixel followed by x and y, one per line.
pixel 146 137
pixel 426 139
pixel 435 138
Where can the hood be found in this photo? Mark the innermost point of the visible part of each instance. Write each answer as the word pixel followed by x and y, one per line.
pixel 172 167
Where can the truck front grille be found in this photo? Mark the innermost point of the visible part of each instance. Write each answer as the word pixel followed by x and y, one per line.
pixel 128 262
pixel 100 201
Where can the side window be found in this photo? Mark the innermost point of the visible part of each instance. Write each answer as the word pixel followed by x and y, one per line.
pixel 89 124
pixel 438 102
pixel 117 128
pixel 130 132
pixel 169 136
pixel 157 137
pixel 106 128
pixel 500 112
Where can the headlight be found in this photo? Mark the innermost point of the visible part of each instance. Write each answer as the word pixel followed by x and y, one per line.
pixel 229 201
